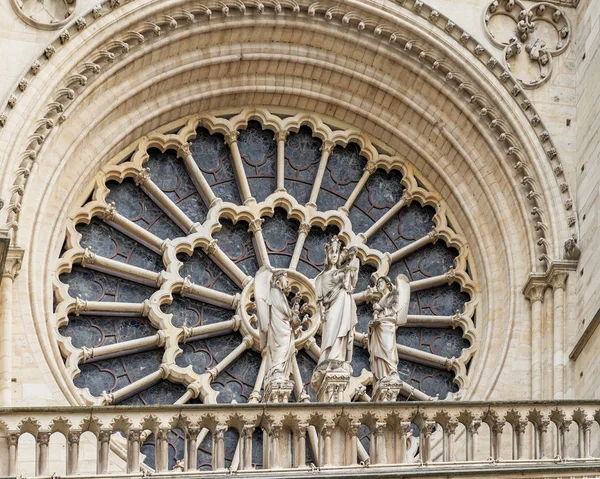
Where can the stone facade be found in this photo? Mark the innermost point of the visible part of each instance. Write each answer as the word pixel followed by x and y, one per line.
pixel 517 167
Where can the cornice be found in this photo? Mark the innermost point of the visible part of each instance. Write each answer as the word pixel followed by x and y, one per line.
pixel 554 276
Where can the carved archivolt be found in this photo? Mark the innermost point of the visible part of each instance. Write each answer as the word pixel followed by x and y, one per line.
pixel 255 207
pixel 380 26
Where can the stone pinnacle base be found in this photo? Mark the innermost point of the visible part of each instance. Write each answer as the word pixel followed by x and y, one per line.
pixel 386 390
pixel 278 391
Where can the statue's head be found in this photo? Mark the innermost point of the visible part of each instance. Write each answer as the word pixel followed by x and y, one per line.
pixel 280 279
pixel 332 251
pixel 383 285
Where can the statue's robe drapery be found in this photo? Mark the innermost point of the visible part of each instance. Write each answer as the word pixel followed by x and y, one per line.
pixel 393 312
pixel 276 335
pixel 340 317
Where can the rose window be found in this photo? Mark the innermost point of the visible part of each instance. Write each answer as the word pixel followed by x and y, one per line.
pixel 154 299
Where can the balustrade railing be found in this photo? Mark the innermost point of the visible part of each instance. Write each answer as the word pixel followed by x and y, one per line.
pixel 243 437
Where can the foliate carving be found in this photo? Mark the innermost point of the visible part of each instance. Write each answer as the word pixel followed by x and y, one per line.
pixel 97 12
pixel 231 137
pixel 64 36
pixel 255 225
pixel 535 293
pixel 74 437
pixel 327 146
pixel 142 177
pixel 12 101
pixel 184 151
pixel 35 67
pixel 80 23
pixel 49 52
pixel 109 212
pixel 43 438
pixel 464 38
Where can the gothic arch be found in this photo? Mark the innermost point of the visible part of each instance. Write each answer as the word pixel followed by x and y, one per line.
pixel 405 75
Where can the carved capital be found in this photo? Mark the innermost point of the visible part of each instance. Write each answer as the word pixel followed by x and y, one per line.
pixel 211 247
pixel 328 146
pixel 451 276
pixel 231 137
pixel 498 426
pixel 88 257
pixel 248 430
pixel 407 198
pixel 109 212
pixel 521 425
pixel 255 225
pixel 371 167
pixel 74 436
pixel 434 235
pixel 43 438
pixel 559 280
pixel 12 266
pixel 220 431
pixel 535 292
pixel 134 435
pixel 304 228
pixel 13 438
pixel 451 426
pixel 184 151
pixel 281 135
pixel 142 177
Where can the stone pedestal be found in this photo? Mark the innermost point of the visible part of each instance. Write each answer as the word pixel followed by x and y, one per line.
pixel 386 390
pixel 330 379
pixel 333 386
pixel 278 391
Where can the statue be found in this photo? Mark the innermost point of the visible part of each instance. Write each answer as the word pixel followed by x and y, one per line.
pixel 275 331
pixel 334 287
pixel 390 310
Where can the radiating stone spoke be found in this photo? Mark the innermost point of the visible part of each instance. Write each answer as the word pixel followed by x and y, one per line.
pixel 197 176
pixel 414 246
pixel 281 136
pixel 232 356
pixel 255 394
pixel 125 348
pixel 112 309
pixel 208 295
pixel 134 388
pixel 367 172
pixel 432 282
pixel 299 392
pixel 164 202
pixel 134 231
pixel 258 240
pixel 303 231
pixel 238 166
pixel 414 355
pixel 404 201
pixel 232 270
pixel 432 321
pixel 326 149
pixel 121 270
pixel 209 330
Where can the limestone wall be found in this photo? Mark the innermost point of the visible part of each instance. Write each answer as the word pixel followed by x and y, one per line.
pixel 586 369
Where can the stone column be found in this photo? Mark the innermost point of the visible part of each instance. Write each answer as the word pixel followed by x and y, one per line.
pixel 162 450
pixel 238 165
pixel 219 447
pixel 563 434
pixel 548 345
pixel 326 149
pixel 519 429
pixel 379 436
pixel 280 137
pixel 43 438
pixel 326 436
pixel 103 451
pixel 402 433
pixel 13 443
pixel 351 443
pixel 426 432
pixel 449 433
pixel 542 431
pixel 472 435
pixel 133 451
pixel 497 429
pixel 246 456
pixel 73 452
pixel 586 430
pixel 11 270
pixel 535 294
pixel 558 282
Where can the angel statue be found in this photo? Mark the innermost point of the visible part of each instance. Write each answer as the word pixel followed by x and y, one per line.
pixel 390 310
pixel 274 316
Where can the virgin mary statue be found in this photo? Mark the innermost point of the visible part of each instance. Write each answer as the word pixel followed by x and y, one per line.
pixel 274 314
pixel 334 287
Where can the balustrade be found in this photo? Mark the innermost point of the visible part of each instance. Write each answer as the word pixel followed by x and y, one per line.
pixel 301 436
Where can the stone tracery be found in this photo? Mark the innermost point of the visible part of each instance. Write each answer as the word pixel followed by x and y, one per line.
pixel 174 271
